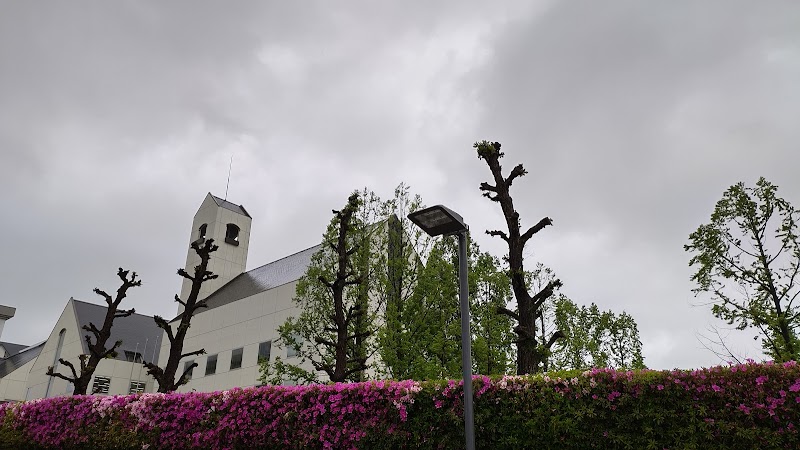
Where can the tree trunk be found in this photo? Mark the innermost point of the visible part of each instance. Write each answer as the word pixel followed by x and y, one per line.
pixel 530 355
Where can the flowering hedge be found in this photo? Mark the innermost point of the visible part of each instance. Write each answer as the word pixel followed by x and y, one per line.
pixel 741 406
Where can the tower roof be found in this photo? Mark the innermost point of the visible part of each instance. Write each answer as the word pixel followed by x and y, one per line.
pixel 229 206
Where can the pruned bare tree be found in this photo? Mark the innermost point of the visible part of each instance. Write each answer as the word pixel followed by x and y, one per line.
pixel 532 351
pixel 81 375
pixel 167 382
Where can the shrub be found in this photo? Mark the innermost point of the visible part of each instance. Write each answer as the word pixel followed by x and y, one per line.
pixel 740 406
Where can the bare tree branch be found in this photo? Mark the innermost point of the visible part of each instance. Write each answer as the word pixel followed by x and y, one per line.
pixel 536 228
pixel 517 171
pixel 124 313
pixel 508 312
pixel 502 234
pixel 103 294
pixel 202 351
pixel 184 274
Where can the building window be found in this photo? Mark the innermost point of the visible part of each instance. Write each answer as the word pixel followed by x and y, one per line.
pixel 60 344
pixel 133 357
pixel 264 350
pixel 188 366
pixel 203 229
pixel 137 387
pixel 101 385
pixel 236 358
pixel 232 234
pixel 294 350
pixel 211 365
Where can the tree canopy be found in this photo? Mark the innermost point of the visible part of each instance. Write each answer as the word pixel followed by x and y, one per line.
pixel 747 260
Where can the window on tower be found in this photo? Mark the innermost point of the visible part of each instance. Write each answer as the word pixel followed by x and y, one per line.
pixel 232 234
pixel 201 238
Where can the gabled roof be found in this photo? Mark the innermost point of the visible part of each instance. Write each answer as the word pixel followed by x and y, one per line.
pixel 12 349
pixel 13 362
pixel 277 273
pixel 230 206
pixel 135 331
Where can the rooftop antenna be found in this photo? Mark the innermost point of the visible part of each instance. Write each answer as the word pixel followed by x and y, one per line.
pixel 229 178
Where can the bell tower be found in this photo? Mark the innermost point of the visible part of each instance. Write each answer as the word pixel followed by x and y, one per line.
pixel 229 225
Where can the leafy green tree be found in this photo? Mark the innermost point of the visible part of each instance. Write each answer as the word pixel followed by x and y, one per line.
pixel 431 322
pixel 592 338
pixel 430 325
pixel 747 259
pixel 595 338
pixel 493 336
pixel 336 324
pixel 397 272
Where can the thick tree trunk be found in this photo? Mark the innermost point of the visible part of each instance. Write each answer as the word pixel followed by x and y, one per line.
pixel 530 354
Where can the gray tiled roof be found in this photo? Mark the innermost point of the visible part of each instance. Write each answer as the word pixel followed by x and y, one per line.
pixel 13 362
pixel 230 206
pixel 260 279
pixel 12 349
pixel 134 331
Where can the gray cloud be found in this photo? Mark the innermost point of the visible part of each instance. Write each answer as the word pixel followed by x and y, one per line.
pixel 632 119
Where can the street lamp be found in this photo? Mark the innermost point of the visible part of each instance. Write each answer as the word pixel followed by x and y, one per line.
pixel 441 220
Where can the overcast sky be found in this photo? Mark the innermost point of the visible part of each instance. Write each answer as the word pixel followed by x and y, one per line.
pixel 632 117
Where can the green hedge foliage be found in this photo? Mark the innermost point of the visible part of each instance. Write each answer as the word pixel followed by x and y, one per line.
pixel 745 406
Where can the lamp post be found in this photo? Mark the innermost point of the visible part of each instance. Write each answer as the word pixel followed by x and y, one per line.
pixel 441 220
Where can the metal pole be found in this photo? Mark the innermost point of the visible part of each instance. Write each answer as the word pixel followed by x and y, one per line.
pixel 133 363
pixel 466 341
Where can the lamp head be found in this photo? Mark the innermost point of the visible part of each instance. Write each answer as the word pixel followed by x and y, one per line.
pixel 438 220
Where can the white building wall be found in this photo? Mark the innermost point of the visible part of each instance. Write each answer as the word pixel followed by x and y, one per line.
pixel 122 373
pixel 243 324
pixel 71 348
pixel 13 386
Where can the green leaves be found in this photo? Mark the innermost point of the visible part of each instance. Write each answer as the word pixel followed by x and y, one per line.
pixel 747 260
pixel 334 330
pixel 595 338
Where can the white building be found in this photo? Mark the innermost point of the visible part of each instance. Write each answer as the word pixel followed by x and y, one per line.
pixel 245 309
pixel 23 374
